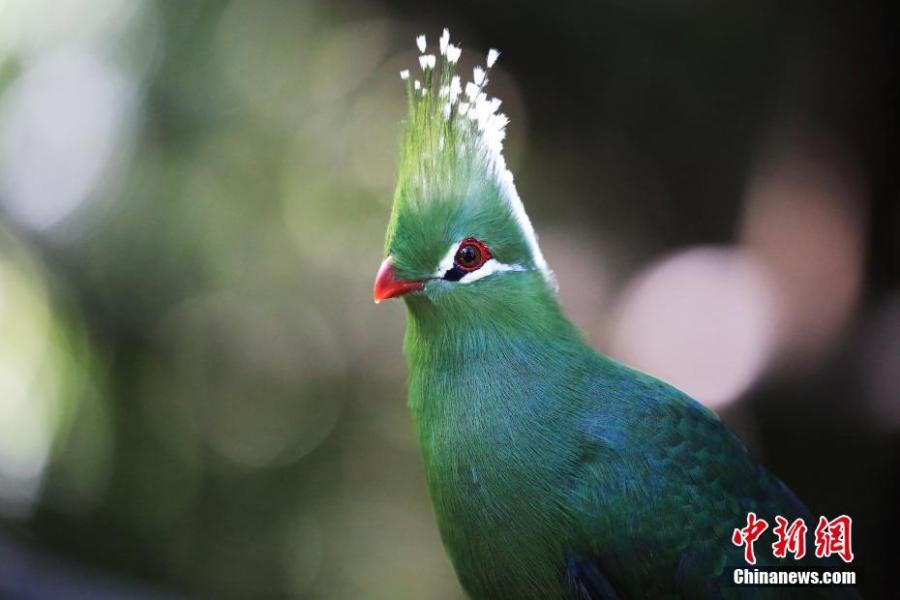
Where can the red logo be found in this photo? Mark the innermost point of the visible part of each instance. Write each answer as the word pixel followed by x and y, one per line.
pixel 831 537
pixel 748 535
pixel 790 539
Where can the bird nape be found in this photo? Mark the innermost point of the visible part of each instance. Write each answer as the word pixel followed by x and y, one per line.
pixel 555 472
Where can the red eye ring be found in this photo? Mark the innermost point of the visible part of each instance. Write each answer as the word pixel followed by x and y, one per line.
pixel 471 255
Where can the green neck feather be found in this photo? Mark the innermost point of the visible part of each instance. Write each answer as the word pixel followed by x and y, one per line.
pixel 485 382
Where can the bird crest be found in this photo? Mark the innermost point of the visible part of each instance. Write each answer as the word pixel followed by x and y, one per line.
pixel 452 145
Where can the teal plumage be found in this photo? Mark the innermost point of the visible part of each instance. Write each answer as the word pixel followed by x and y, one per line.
pixel 554 471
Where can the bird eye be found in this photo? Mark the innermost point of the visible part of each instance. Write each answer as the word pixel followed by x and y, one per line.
pixel 471 255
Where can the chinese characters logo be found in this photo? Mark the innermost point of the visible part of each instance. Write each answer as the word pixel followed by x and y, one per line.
pixel 831 538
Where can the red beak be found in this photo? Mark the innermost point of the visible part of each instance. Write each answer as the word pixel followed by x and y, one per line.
pixel 388 286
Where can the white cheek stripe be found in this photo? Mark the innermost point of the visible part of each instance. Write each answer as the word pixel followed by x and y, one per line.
pixel 491 266
pixel 447 262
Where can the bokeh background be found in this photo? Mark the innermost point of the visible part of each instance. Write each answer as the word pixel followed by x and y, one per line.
pixel 198 397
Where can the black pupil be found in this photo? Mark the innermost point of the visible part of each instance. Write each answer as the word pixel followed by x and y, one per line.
pixel 468 256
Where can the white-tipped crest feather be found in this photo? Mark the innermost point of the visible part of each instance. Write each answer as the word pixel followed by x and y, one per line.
pixel 468 110
pixel 453 53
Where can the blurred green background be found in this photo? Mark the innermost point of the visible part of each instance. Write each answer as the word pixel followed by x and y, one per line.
pixel 198 397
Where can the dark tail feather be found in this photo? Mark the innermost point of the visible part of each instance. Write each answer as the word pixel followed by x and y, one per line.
pixel 587 580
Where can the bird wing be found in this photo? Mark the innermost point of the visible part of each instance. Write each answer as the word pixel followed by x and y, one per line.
pixel 658 488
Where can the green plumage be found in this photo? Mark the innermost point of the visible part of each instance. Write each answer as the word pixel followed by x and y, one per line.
pixel 555 472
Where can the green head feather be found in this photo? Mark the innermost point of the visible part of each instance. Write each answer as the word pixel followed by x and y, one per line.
pixel 453 183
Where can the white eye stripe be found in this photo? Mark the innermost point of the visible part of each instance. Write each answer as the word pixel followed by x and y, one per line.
pixel 447 262
pixel 491 266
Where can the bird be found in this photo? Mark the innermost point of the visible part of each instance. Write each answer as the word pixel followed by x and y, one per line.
pixel 554 471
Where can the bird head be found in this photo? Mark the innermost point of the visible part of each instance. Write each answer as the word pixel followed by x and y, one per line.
pixel 458 232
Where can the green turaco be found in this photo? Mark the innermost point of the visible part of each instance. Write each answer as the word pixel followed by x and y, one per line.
pixel 555 472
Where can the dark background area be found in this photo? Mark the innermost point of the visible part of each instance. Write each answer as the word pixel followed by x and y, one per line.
pixel 197 396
